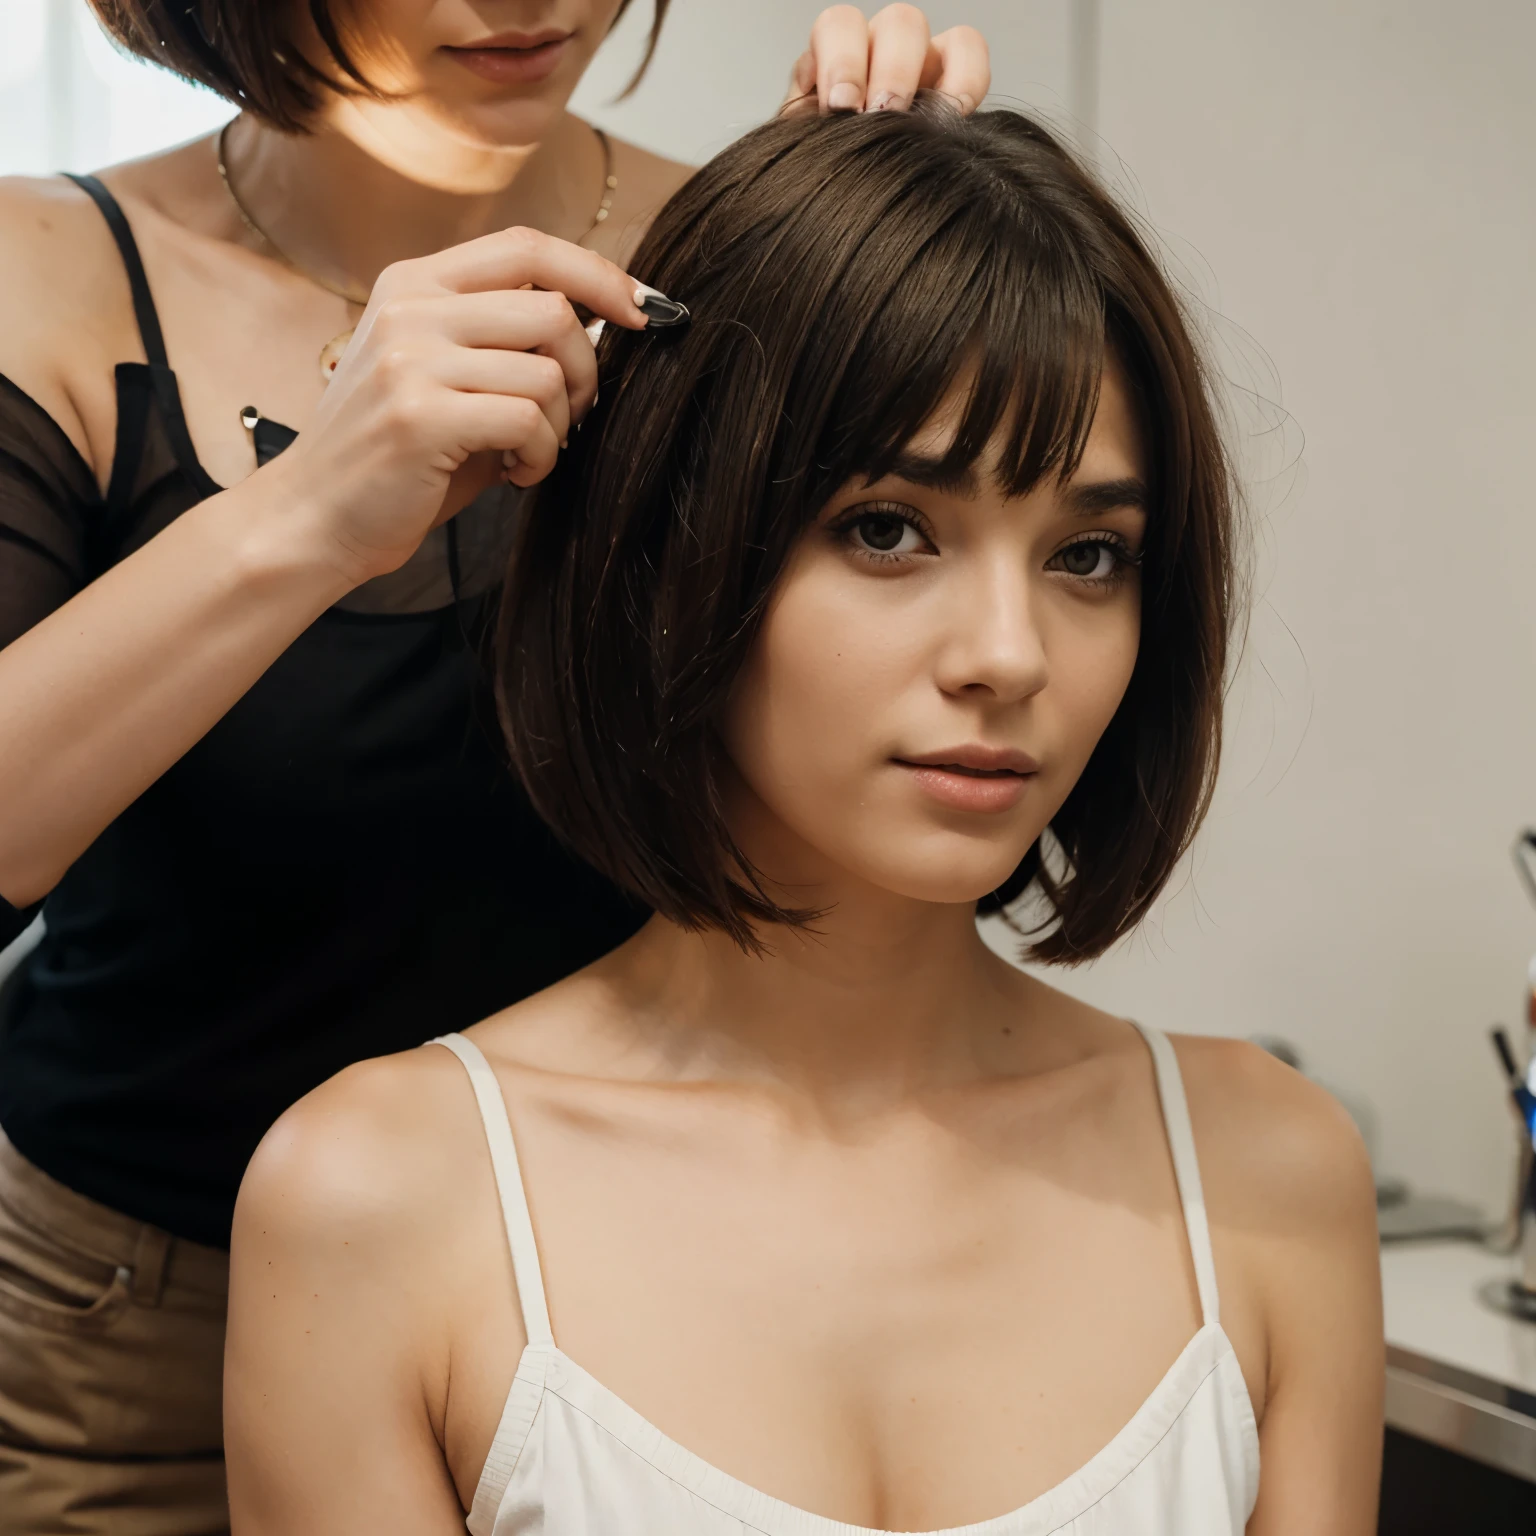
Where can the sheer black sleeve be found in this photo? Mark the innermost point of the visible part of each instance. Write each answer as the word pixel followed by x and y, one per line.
pixel 48 504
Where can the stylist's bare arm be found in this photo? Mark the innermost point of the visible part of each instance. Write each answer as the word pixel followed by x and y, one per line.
pixel 456 358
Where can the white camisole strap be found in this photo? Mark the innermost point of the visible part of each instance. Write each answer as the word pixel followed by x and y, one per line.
pixel 1186 1167
pixel 509 1184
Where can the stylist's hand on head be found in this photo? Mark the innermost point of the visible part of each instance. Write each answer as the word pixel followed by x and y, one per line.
pixel 854 64
pixel 470 364
pixel 467 366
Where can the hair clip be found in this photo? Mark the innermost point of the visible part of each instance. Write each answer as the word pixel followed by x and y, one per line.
pixel 661 313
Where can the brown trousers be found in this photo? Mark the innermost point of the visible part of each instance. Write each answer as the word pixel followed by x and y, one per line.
pixel 111 1357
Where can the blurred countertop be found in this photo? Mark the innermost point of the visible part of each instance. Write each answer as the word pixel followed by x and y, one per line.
pixel 1459 1373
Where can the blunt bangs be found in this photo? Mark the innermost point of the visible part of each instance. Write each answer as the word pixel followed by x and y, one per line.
pixel 1018 328
pixel 849 276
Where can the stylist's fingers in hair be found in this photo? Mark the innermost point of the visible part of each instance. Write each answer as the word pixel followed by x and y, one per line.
pixel 526 321
pixel 463 362
pixel 840 45
pixel 510 426
pixel 959 66
pixel 520 258
pixel 521 375
pixel 898 49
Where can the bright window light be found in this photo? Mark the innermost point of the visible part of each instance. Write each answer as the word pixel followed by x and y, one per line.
pixel 72 101
pixel 23 33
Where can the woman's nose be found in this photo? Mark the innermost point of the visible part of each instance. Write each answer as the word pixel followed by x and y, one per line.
pixel 993 644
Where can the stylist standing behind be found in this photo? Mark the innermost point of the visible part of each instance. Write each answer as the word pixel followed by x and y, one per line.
pixel 244 759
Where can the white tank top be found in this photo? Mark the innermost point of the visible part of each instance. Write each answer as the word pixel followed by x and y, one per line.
pixel 572 1459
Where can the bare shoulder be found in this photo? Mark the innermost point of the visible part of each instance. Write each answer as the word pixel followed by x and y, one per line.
pixel 1293 1222
pixel 1292 1207
pixel 385 1155
pixel 64 303
pixel 370 1300
pixel 1278 1153
pixel 47 238
pixel 66 308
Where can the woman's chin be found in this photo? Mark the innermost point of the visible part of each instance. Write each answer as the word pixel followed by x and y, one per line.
pixel 509 123
pixel 950 893
pixel 461 151
pixel 955 878
pixel 829 850
pixel 488 126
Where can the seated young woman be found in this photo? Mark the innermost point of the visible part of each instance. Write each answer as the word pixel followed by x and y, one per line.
pixel 900 581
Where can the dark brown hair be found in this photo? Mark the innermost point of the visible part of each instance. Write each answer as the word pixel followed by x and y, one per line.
pixel 844 273
pixel 248 50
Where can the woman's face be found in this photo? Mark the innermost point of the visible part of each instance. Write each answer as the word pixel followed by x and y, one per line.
pixel 495 73
pixel 935 669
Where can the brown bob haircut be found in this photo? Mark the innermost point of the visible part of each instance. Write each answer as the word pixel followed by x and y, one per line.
pixel 844 274
pixel 250 50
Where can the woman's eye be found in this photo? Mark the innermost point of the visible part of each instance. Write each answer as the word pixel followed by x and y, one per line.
pixel 1091 560
pixel 884 533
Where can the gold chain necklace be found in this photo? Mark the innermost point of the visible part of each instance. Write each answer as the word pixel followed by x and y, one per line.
pixel 330 353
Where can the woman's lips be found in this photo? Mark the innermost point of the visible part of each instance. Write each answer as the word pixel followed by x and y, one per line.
pixel 512 65
pixel 984 790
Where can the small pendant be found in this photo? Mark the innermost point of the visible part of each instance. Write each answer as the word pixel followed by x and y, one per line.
pixel 331 353
pixel 268 438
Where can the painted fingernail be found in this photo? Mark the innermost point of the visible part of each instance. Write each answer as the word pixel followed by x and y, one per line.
pixel 660 312
pixel 844 97
pixel 595 330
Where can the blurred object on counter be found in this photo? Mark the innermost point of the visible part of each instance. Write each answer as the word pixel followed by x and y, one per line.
pixel 1524 852
pixel 1401 1214
pixel 1525 862
pixel 1518 1233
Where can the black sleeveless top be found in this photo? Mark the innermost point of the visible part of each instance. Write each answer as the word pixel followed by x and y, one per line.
pixel 342 867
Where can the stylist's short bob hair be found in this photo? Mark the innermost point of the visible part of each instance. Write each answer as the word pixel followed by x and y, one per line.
pixel 844 273
pixel 277 59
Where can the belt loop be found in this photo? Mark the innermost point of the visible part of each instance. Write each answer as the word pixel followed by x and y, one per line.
pixel 149 1264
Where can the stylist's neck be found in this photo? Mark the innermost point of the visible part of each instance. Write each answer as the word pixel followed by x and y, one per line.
pixel 376 183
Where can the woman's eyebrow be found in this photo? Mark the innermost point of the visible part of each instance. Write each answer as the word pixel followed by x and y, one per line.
pixel 1090 499
pixel 1107 496
pixel 932 473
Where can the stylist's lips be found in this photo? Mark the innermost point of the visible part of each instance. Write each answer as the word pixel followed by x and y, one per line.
pixel 972 778
pixel 514 58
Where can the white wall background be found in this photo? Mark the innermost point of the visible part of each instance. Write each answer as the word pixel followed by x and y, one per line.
pixel 1360 178
pixel 1347 189
pixel 70 101
pixel 723 65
